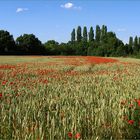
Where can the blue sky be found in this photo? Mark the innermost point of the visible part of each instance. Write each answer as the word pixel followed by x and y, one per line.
pixel 55 19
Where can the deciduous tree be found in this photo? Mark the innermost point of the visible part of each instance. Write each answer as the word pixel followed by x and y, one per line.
pixel 7 43
pixel 30 44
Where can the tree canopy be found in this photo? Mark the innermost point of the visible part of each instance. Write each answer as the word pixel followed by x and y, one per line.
pixel 98 42
pixel 7 43
pixel 29 43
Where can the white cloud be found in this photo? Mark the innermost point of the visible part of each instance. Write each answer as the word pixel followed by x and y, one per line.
pixel 67 5
pixel 71 6
pixel 121 30
pixel 21 10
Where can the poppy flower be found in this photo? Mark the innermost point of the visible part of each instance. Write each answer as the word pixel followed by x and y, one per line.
pixel 77 136
pixel 11 83
pixel 138 101
pixel 4 83
pixel 69 134
pixel 0 95
pixel 45 81
pixel 131 122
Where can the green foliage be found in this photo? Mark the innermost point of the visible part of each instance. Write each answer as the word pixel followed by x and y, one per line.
pixel 73 35
pixel 98 33
pixel 91 34
pixel 51 47
pixel 67 49
pixel 103 32
pixel 29 44
pixel 7 43
pixel 136 41
pixel 130 46
pixel 136 45
pixel 85 34
pixel 82 43
pixel 131 41
pixel 79 34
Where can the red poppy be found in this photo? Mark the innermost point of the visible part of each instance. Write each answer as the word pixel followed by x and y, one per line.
pixel 131 122
pixel 77 136
pixel 4 83
pixel 0 95
pixel 69 134
pixel 45 81
pixel 138 101
pixel 11 83
pixel 98 60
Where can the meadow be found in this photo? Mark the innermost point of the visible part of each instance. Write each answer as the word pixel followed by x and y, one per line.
pixel 68 98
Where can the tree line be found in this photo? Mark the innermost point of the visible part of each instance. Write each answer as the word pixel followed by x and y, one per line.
pixel 98 42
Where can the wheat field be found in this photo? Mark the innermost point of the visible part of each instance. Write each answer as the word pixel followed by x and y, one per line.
pixel 63 98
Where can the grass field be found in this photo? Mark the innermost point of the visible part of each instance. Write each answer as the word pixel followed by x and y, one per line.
pixel 63 98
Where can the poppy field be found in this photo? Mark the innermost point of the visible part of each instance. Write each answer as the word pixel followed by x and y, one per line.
pixel 68 98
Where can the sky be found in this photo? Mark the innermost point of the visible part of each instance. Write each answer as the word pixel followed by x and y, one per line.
pixel 55 19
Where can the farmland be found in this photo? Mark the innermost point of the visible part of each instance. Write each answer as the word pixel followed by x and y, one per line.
pixel 62 98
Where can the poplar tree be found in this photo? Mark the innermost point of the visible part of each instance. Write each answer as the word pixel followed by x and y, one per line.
pixel 136 47
pixel 85 34
pixel 103 32
pixel 79 36
pixel 91 34
pixel 131 41
pixel 98 33
pixel 73 35
pixel 130 46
